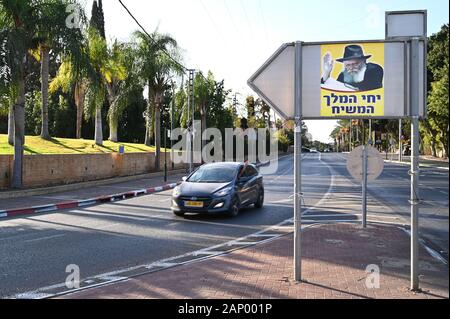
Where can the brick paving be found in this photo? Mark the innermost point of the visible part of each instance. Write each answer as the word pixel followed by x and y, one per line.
pixel 335 258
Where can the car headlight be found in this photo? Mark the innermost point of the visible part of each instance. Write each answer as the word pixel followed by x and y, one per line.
pixel 223 192
pixel 176 191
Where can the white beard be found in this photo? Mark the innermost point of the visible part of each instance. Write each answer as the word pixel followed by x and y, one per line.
pixel 356 77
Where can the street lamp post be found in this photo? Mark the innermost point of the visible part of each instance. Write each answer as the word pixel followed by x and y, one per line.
pixel 165 154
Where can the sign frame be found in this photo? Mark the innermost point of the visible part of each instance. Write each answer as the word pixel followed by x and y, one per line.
pixel 251 84
pixel 406 62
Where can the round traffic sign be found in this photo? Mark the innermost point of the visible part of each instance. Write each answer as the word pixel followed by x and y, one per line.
pixel 375 163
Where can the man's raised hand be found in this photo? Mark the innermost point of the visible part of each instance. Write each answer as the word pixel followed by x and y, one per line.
pixel 327 67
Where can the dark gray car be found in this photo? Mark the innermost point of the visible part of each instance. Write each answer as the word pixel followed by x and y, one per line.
pixel 219 188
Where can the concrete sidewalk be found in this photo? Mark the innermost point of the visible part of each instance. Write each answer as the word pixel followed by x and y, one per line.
pixel 335 257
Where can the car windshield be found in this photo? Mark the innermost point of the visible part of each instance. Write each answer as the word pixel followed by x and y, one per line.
pixel 213 175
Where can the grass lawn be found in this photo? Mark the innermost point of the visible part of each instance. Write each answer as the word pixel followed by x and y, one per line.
pixel 36 145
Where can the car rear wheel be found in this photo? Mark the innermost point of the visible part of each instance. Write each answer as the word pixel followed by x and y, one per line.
pixel 260 201
pixel 233 211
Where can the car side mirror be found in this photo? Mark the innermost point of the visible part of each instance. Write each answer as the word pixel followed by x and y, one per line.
pixel 184 178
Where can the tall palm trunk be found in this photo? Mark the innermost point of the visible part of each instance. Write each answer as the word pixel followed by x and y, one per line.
pixel 79 95
pixel 149 119
pixel 19 135
pixel 147 128
pixel 45 60
pixel 98 126
pixel 157 130
pixel 113 116
pixel 113 125
pixel 11 125
pixel 113 121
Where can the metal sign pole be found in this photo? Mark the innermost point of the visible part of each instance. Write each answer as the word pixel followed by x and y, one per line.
pixel 165 154
pixel 364 187
pixel 297 163
pixel 414 80
pixel 400 142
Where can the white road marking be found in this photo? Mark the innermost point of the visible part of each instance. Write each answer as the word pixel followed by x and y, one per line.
pixel 207 253
pixel 44 238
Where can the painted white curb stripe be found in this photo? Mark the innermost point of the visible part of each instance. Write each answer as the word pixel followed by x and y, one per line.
pixel 45 209
pixel 87 203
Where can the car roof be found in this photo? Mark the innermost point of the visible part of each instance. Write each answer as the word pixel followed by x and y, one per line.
pixel 224 164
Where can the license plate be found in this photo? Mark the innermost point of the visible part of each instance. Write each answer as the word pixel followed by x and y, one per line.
pixel 193 204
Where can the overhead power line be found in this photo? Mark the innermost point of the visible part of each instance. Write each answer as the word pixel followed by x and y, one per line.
pixel 185 69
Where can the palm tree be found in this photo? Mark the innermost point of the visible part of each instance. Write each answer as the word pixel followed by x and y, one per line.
pixel 121 81
pixel 71 79
pixel 7 99
pixel 98 74
pixel 53 34
pixel 204 88
pixel 265 111
pixel 18 35
pixel 156 70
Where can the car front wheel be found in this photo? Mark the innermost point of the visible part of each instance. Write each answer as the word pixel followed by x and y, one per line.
pixel 179 214
pixel 233 211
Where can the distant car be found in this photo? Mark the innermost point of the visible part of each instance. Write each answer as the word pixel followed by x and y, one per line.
pixel 306 150
pixel 313 150
pixel 219 188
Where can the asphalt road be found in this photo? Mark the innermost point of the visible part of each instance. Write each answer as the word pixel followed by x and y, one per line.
pixel 393 189
pixel 35 251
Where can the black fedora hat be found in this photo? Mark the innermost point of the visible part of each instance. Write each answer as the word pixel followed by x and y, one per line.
pixel 353 52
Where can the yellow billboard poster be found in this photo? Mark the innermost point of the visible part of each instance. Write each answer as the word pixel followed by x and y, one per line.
pixel 352 83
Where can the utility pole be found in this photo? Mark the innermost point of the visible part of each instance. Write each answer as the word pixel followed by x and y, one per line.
pixel 350 148
pixel 357 132
pixel 235 105
pixel 191 121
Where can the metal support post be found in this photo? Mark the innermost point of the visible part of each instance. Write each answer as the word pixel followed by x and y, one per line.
pixel 297 163
pixel 414 91
pixel 400 142
pixel 364 187
pixel 165 154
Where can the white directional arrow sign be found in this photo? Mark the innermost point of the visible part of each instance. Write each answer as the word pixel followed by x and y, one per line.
pixel 275 81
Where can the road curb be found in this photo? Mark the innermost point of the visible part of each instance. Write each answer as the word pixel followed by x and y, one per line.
pixel 17 212
pixel 85 202
pixel 75 186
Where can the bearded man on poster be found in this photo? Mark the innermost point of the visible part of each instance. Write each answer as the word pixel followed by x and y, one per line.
pixel 358 75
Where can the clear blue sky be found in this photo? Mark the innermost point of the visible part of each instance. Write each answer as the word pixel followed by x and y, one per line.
pixel 233 38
